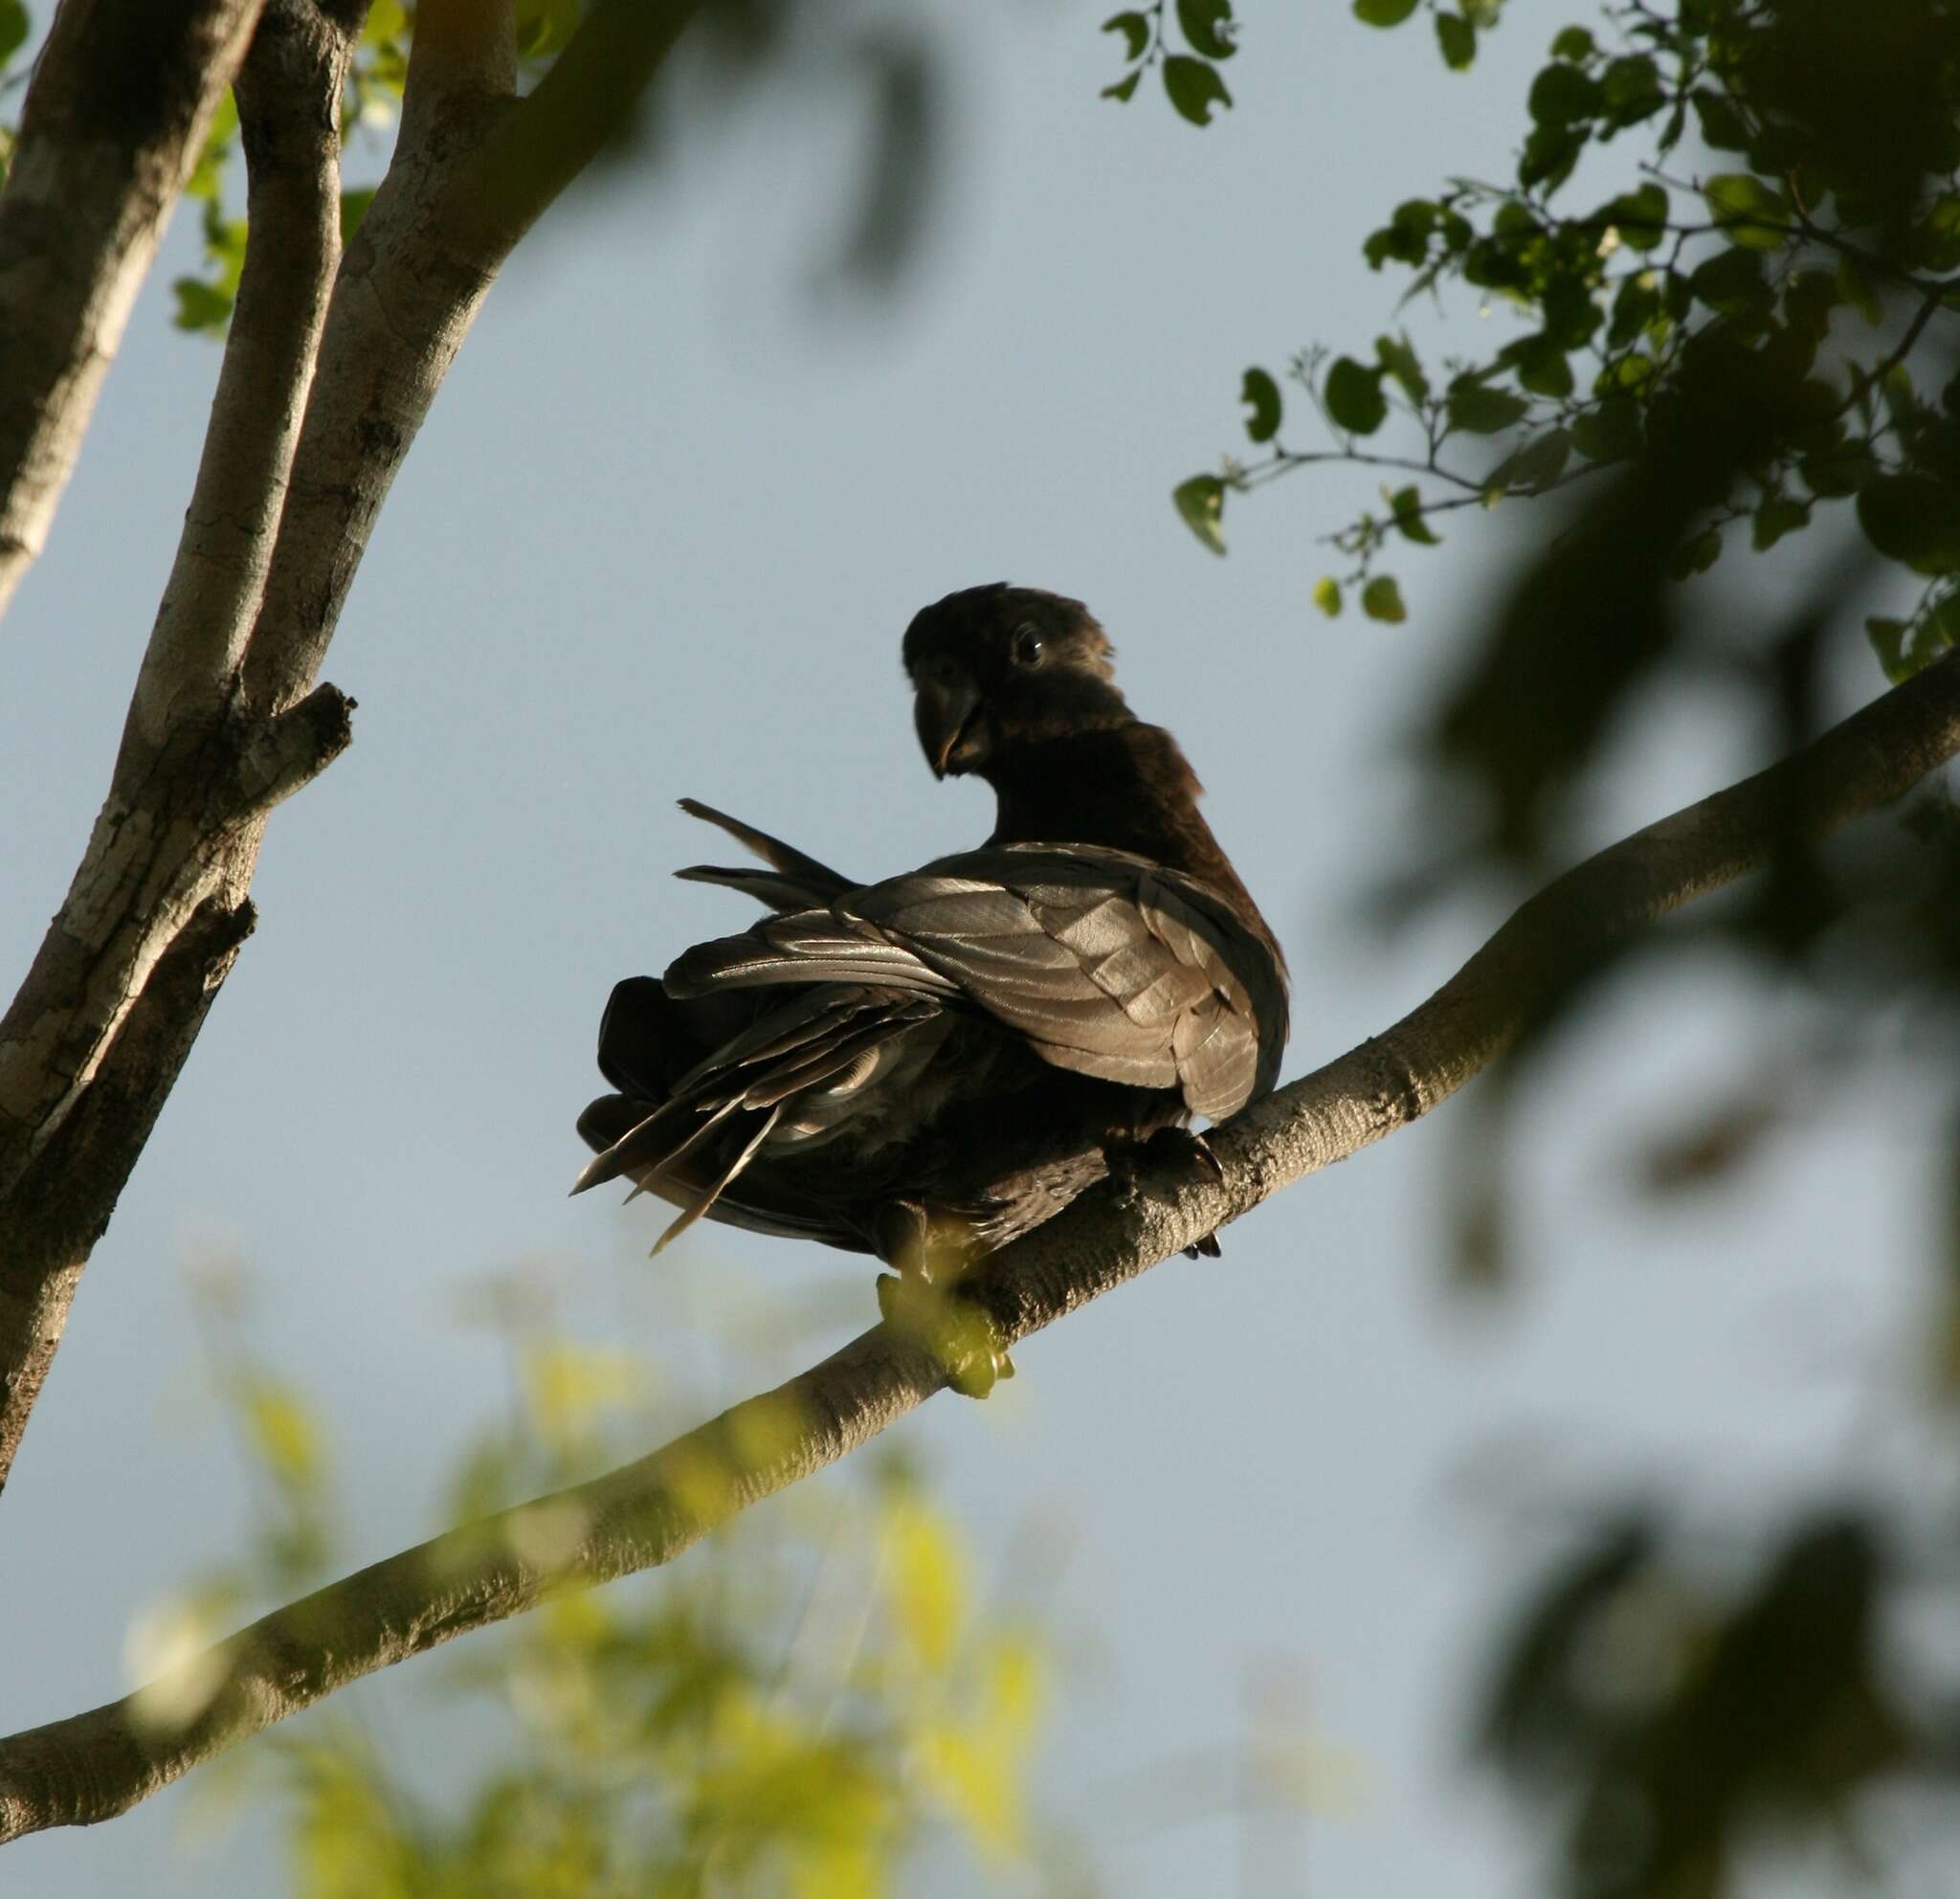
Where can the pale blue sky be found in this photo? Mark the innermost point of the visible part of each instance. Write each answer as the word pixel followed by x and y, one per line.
pixel 661 536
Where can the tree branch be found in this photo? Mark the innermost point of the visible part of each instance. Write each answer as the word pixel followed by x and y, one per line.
pixel 289 99
pixel 226 717
pixel 97 1764
pixel 122 94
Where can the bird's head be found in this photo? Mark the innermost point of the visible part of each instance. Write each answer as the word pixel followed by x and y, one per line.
pixel 997 668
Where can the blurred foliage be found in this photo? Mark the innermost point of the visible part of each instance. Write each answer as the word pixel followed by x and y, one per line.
pixel 1727 257
pixel 1791 221
pixel 820 1702
pixel 885 69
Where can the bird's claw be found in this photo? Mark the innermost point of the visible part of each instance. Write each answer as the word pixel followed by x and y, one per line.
pixel 1173 1152
pixel 958 1333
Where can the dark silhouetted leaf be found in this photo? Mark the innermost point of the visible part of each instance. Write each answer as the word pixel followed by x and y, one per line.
pixel 1135 29
pixel 1354 397
pixel 1382 13
pixel 1262 395
pixel 1562 95
pixel 13 27
pixel 1573 43
pixel 1194 87
pixel 1479 410
pixel 1407 505
pixel 353 209
pixel 1914 519
pixel 1609 431
pixel 1209 26
pixel 1456 40
pixel 1640 218
pixel 1696 555
pixel 1777 516
pixel 1124 88
pixel 1731 283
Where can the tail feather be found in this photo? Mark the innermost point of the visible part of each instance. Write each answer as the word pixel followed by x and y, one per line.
pixel 689 1215
pixel 774 852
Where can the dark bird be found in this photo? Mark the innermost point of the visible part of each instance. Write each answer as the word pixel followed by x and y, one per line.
pixel 926 1067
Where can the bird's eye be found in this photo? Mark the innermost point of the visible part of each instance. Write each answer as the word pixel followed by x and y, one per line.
pixel 1028 644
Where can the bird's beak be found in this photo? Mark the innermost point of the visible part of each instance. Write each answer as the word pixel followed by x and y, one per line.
pixel 944 714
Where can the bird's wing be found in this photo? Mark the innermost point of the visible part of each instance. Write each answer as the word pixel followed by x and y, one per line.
pixel 794 882
pixel 795 1065
pixel 1100 961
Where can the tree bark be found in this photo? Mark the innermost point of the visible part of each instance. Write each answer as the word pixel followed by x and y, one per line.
pixel 319 399
pixel 122 94
pixel 95 1765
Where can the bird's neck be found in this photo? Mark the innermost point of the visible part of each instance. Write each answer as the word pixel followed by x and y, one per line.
pixel 1127 788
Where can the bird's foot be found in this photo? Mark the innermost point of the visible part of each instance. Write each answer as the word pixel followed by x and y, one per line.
pixel 1171 1152
pixel 957 1331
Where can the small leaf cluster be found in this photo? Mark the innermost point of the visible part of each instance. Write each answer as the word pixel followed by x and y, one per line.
pixel 1813 267
pixel 1457 28
pixel 1191 75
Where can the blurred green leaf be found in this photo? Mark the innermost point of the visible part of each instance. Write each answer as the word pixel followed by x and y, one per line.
pixel 1456 40
pixel 1353 396
pixel 1398 356
pixel 1194 87
pixel 1563 95
pixel 1914 519
pixel 1200 505
pixel 14 28
pixel 1124 88
pixel 200 307
pixel 1753 214
pixel 353 209
pixel 1208 25
pixel 1406 505
pixel 1327 595
pixel 1261 393
pixel 1479 410
pixel 1382 13
pixel 1135 29
pixel 1381 599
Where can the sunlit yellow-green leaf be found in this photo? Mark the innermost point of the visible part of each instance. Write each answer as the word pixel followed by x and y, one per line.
pixel 925 1578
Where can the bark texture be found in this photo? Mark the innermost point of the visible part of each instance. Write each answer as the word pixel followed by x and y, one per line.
pixel 122 95
pixel 329 369
pixel 94 1765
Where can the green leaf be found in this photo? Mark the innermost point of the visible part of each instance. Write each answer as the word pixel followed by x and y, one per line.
pixel 1194 87
pixel 1888 642
pixel 1407 507
pixel 1840 471
pixel 1609 431
pixel 1752 214
pixel 1327 595
pixel 1398 356
pixel 1381 599
pixel 1262 395
pixel 1696 556
pixel 1135 29
pixel 1722 124
pixel 1535 466
pixel 1457 38
pixel 13 27
pixel 1209 26
pixel 1732 282
pixel 1479 410
pixel 1573 43
pixel 1640 218
pixel 1124 87
pixel 1354 397
pixel 1562 95
pixel 1914 519
pixel 353 209
pixel 1777 516
pixel 1382 13
pixel 1631 89
pixel 1200 505
pixel 200 307
pixel 544 25
pixel 1540 366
